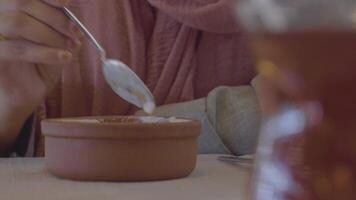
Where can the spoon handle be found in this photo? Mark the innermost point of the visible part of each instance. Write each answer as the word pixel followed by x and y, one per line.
pixel 85 31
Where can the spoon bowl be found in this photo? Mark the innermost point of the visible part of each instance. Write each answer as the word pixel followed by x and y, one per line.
pixel 129 86
pixel 122 80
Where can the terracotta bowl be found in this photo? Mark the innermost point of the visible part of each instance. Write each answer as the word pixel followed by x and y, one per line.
pixel 120 148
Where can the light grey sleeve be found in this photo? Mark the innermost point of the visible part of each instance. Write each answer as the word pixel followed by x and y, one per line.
pixel 230 118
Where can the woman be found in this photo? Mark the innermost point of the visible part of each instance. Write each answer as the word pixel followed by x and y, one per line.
pixel 181 49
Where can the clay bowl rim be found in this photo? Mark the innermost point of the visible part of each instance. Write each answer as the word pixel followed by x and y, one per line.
pixel 76 129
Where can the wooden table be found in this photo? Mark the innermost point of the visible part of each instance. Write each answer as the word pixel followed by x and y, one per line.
pixel 27 179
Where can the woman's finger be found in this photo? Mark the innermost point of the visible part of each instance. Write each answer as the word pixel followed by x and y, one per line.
pixel 20 25
pixel 12 5
pixel 57 3
pixel 53 17
pixel 19 50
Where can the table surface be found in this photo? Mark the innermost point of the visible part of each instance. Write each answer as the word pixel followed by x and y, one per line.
pixel 28 179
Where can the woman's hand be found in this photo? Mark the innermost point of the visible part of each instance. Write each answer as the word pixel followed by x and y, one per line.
pixel 40 40
pixel 37 32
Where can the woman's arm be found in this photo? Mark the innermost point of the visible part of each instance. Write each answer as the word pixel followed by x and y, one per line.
pixel 40 39
pixel 230 117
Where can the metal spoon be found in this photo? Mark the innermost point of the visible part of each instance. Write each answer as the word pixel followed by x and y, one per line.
pixel 123 81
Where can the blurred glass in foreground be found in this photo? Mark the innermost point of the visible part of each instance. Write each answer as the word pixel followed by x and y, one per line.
pixel 305 51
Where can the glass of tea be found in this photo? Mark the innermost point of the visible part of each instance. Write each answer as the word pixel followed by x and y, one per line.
pixel 305 53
